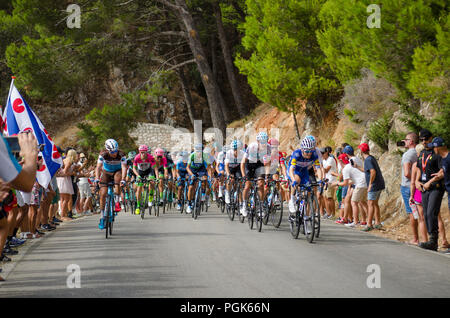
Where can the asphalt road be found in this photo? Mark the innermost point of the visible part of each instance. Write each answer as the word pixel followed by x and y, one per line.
pixel 176 256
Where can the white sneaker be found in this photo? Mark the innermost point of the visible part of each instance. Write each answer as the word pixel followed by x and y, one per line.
pixel 353 224
pixel 188 210
pixel 292 206
pixel 244 211
pixel 178 207
pixel 227 198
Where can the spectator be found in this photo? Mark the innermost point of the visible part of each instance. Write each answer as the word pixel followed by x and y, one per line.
pixel 440 148
pixel 330 167
pixel 375 184
pixel 432 188
pixel 359 193
pixel 408 160
pixel 13 175
pixel 65 184
pixel 346 209
pixel 85 191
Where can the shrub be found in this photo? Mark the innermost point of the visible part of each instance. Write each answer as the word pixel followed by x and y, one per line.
pixel 379 131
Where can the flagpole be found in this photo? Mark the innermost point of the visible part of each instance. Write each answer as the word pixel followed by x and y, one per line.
pixel 9 93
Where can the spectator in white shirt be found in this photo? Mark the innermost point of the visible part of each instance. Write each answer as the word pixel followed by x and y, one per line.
pixel 331 173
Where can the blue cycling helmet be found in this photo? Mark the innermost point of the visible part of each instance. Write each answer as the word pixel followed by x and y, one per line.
pixel 262 137
pixel 236 144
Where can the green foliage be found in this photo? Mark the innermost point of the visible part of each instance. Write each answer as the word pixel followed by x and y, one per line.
pixel 350 45
pixel 379 131
pixel 430 79
pixel 351 137
pixel 350 113
pixel 286 63
pixel 438 125
pixel 111 121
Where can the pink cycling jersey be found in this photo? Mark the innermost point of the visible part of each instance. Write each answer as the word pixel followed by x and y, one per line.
pixel 144 165
pixel 163 162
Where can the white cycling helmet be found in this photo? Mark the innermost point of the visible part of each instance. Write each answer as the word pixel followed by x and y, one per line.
pixel 307 144
pixel 111 145
pixel 198 147
pixel 313 140
pixel 262 137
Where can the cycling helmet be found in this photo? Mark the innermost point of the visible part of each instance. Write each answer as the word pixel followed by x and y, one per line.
pixel 313 140
pixel 236 144
pixel 262 137
pixel 274 142
pixel 143 148
pixel 111 145
pixel 159 152
pixel 307 144
pixel 198 147
pixel 131 154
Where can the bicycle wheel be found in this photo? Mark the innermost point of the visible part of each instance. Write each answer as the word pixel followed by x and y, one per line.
pixel 267 211
pixel 197 203
pixel 316 215
pixel 296 223
pixel 251 215
pixel 164 200
pixel 156 200
pixel 259 212
pixel 311 220
pixel 277 209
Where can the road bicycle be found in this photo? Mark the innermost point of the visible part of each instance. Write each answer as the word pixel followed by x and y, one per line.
pixel 255 206
pixel 305 200
pixel 198 197
pixel 109 216
pixel 274 202
pixel 233 207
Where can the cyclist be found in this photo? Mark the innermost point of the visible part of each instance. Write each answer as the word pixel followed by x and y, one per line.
pixel 220 169
pixel 180 175
pixel 197 166
pixel 142 168
pixel 278 163
pixel 301 162
pixel 233 161
pixel 171 173
pixel 131 177
pixel 256 163
pixel 160 171
pixel 111 166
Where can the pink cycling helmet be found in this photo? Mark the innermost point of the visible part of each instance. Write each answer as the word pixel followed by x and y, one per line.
pixel 143 148
pixel 273 142
pixel 159 152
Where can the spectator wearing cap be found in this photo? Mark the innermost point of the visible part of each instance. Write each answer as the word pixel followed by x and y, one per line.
pixel 431 186
pixel 346 209
pixel 440 148
pixel 375 184
pixel 330 168
pixel 359 194
pixel 408 160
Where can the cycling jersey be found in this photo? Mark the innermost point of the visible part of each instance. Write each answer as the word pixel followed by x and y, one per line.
pixel 257 153
pixel 232 160
pixel 111 164
pixel 303 165
pixel 181 168
pixel 197 163
pixel 143 164
pixel 221 160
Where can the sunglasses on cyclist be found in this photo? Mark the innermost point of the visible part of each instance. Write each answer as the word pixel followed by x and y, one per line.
pixel 308 151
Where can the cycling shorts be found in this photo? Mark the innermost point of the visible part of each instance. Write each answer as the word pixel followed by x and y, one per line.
pixel 108 177
pixel 236 171
pixel 253 170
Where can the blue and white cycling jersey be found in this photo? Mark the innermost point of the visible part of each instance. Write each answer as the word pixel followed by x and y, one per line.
pixel 181 167
pixel 111 164
pixel 302 163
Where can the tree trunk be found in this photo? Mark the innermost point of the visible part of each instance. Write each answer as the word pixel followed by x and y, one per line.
pixel 242 109
pixel 215 99
pixel 296 126
pixel 213 55
pixel 187 95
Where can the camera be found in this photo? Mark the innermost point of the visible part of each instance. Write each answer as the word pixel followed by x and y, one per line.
pixel 352 162
pixel 401 144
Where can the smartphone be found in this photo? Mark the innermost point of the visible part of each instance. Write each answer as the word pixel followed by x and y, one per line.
pixel 13 143
pixel 400 144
